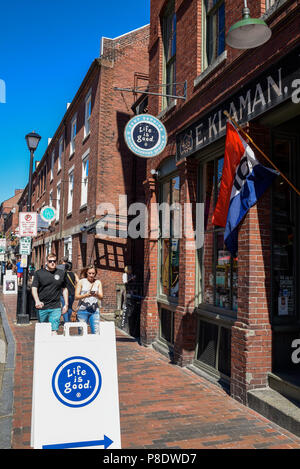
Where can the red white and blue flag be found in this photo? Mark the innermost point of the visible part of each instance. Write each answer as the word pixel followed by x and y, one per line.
pixel 243 181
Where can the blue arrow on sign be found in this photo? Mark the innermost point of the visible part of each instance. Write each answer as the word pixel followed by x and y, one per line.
pixel 106 442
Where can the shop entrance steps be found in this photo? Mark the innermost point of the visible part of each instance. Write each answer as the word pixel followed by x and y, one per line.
pixel 287 384
pixel 284 411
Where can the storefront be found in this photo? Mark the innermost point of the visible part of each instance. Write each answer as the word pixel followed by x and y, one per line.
pixel 234 318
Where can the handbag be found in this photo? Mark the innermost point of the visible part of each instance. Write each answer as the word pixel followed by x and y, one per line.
pixel 77 303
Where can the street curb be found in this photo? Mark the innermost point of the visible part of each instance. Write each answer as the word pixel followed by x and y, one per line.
pixel 7 393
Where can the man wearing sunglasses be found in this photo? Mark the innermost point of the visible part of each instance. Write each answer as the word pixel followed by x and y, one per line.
pixel 46 288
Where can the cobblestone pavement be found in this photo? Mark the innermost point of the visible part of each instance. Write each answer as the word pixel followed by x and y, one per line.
pixel 161 405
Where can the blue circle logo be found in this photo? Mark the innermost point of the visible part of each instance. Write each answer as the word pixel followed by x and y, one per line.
pixel 145 136
pixel 76 381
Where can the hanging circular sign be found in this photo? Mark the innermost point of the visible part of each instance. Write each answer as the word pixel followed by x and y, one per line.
pixel 145 135
pixel 48 213
pixel 76 381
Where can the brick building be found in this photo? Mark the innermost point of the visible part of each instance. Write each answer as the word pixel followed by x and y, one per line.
pixel 9 221
pixel 220 315
pixel 87 164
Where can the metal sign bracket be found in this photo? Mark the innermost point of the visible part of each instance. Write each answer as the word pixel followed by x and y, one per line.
pixel 143 91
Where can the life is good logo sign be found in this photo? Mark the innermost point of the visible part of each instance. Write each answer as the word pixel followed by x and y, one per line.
pixel 76 382
pixel 28 224
pixel 145 135
pixel 75 400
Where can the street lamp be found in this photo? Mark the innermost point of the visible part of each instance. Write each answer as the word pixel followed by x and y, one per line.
pixel 249 32
pixel 32 140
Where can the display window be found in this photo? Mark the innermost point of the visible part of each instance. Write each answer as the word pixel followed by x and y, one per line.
pixel 283 233
pixel 218 268
pixel 169 241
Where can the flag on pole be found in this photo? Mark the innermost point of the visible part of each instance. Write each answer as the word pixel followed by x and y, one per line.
pixel 243 182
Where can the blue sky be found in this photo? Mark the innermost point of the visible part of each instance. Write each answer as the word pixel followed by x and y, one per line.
pixel 46 48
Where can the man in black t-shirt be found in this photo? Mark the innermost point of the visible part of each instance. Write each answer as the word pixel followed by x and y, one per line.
pixel 46 289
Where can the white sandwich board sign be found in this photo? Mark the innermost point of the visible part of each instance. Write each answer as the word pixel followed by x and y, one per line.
pixel 75 401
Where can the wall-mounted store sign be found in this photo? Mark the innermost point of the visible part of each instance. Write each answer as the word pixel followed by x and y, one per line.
pixel 145 136
pixel 274 86
pixel 48 213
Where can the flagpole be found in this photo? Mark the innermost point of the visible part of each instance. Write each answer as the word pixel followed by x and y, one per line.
pixel 264 155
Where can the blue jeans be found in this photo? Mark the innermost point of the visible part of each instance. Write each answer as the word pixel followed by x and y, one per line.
pixel 93 319
pixel 67 315
pixel 50 315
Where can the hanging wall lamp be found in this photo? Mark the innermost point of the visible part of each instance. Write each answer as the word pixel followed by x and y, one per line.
pixel 249 32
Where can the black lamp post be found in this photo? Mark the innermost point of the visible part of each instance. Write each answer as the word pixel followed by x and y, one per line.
pixel 32 140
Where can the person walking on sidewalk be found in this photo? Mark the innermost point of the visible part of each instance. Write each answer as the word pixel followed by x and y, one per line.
pixel 89 293
pixel 71 281
pixel 46 289
pixel 19 272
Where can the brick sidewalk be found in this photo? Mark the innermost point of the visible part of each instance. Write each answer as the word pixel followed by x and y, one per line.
pixel 161 405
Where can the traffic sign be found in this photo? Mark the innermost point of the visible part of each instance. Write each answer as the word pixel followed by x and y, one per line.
pixel 25 245
pixel 2 245
pixel 28 224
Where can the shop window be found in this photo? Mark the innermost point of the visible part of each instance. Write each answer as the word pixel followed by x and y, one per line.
pixel 213 348
pixel 169 47
pixel 283 234
pixel 213 27
pixel 218 269
pixel 166 326
pixel 169 237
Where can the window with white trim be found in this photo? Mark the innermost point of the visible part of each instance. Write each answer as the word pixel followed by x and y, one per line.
pixel 60 151
pixel 73 135
pixel 52 166
pixel 70 191
pixel 84 182
pixel 213 30
pixel 58 191
pixel 88 111
pixel 51 198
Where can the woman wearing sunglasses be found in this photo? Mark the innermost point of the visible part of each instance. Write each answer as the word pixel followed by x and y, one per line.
pixel 89 293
